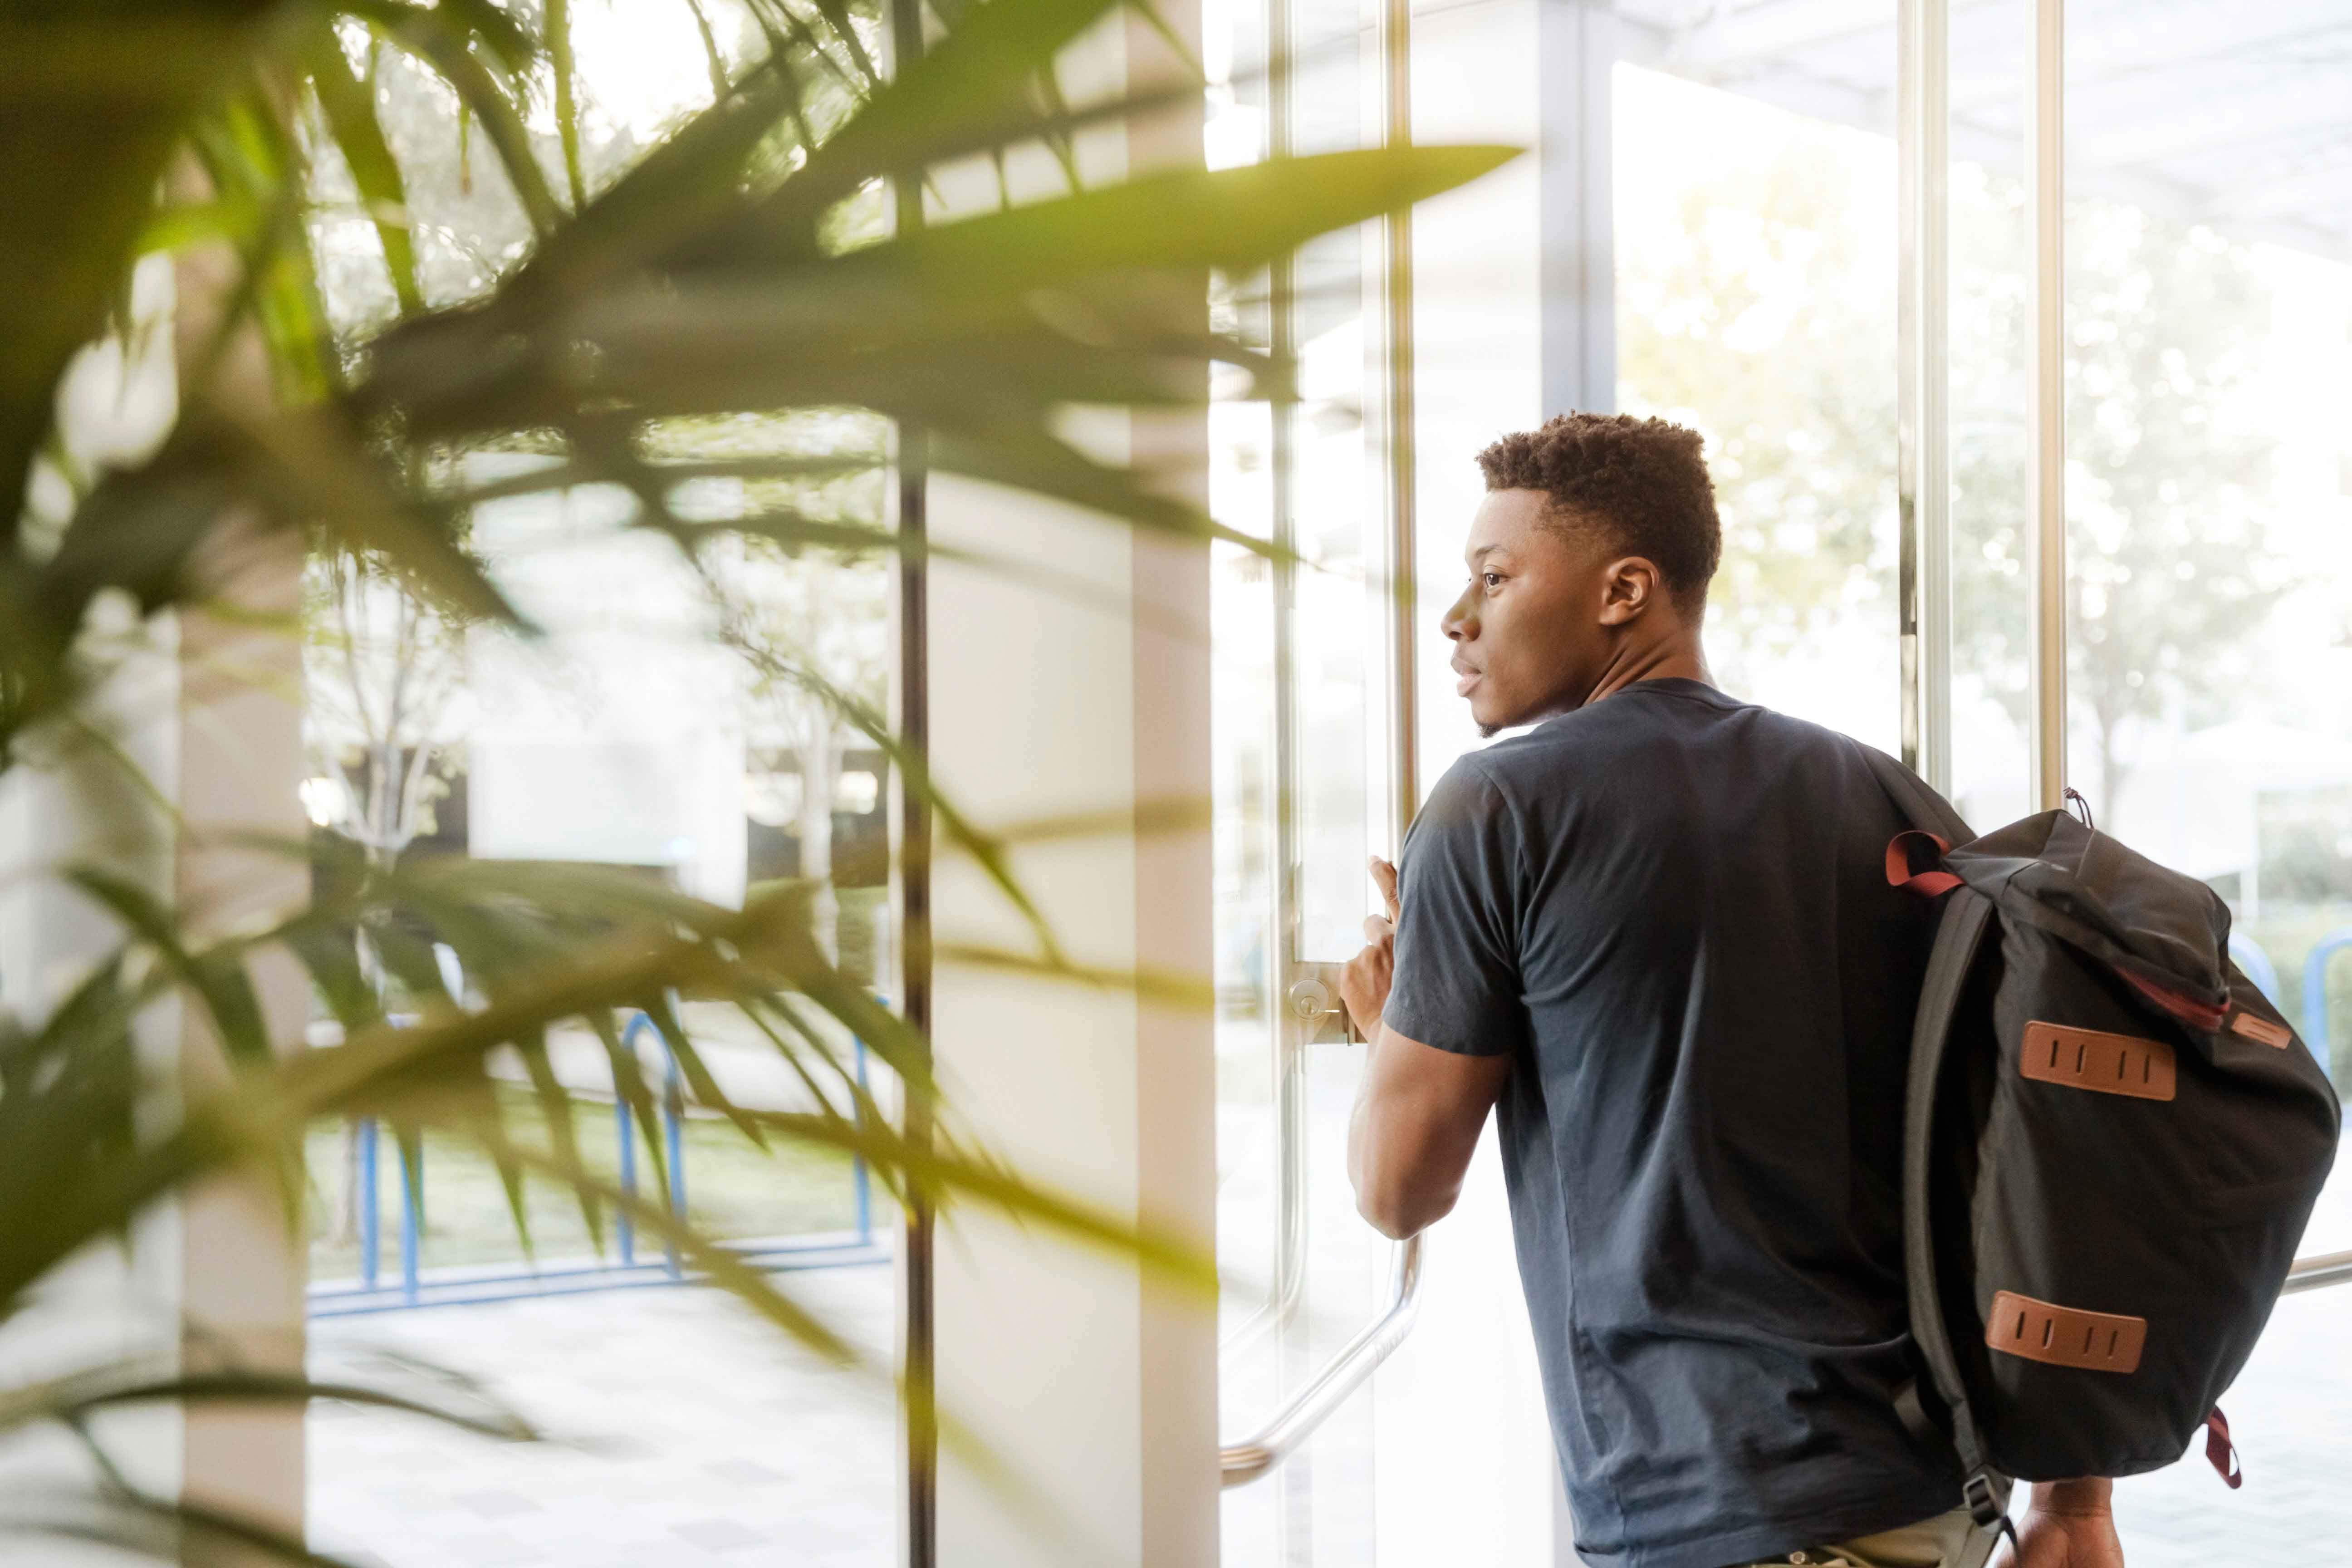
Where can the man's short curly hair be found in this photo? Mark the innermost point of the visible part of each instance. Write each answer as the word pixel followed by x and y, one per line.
pixel 1643 480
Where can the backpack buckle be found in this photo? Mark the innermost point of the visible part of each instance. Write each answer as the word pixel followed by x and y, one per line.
pixel 1985 1507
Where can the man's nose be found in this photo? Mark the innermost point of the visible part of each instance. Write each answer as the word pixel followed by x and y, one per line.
pixel 1460 622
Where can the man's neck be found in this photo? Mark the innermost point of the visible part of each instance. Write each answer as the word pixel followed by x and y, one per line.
pixel 1675 658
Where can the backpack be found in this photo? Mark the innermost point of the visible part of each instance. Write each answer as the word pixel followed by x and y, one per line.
pixel 2112 1142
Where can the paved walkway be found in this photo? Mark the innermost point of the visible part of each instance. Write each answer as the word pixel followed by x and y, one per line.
pixel 689 1432
pixel 2291 1414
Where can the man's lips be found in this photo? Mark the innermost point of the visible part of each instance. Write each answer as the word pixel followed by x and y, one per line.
pixel 1465 677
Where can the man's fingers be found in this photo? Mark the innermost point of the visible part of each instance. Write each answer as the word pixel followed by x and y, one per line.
pixel 1384 877
pixel 1377 931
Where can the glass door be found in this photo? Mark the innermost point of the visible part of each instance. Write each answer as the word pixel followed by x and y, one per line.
pixel 1309 781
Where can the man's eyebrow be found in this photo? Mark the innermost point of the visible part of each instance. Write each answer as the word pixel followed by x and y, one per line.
pixel 1474 556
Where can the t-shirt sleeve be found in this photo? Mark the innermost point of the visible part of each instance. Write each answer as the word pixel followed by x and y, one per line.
pixel 1457 983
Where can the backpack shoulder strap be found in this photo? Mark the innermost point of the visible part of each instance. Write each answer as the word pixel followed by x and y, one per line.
pixel 1958 939
pixel 1920 805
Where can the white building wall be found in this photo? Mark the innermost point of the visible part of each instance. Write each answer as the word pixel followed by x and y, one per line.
pixel 1090 1381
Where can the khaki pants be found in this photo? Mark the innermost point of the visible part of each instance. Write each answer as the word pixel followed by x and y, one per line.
pixel 1947 1541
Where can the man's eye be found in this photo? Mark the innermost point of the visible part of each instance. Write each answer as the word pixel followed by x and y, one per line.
pixel 1490 578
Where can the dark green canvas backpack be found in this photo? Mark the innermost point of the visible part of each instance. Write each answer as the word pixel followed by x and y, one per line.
pixel 2111 1146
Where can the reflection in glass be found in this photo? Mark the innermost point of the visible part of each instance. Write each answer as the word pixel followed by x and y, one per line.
pixel 1756 303
pixel 1296 653
pixel 2209 500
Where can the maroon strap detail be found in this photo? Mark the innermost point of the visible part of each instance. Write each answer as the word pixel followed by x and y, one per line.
pixel 2220 1453
pixel 1929 883
pixel 2188 1009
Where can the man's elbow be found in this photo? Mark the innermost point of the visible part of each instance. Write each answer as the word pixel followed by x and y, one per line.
pixel 1397 1210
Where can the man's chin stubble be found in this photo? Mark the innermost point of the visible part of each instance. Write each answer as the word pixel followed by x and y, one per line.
pixel 1488 731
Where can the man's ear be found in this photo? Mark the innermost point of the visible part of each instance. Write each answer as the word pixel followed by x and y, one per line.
pixel 1628 587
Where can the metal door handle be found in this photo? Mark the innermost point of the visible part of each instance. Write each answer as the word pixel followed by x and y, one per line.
pixel 1244 1462
pixel 1247 1461
pixel 1314 1002
pixel 2323 1269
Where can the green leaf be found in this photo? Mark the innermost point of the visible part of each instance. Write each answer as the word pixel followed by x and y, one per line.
pixel 555 1105
pixel 1149 986
pixel 509 43
pixel 1030 460
pixel 442 48
pixel 837 17
pixel 330 955
pixel 567 103
pixel 719 85
pixel 409 1137
pixel 695 1073
pixel 630 1087
pixel 177 227
pixel 1229 218
pixel 968 78
pixel 218 975
pixel 349 105
pixel 314 470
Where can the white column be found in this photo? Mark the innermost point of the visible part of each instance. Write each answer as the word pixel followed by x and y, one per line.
pixel 241 1271
pixel 241 1266
pixel 207 713
pixel 1090 1383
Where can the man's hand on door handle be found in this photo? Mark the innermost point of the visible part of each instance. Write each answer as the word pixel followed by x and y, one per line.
pixel 1364 980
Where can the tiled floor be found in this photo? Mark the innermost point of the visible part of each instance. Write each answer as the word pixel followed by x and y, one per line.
pixel 685 1431
pixel 2291 1413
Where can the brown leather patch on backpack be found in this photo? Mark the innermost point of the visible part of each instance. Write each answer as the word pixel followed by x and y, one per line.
pixel 2261 1030
pixel 2065 1336
pixel 2094 1059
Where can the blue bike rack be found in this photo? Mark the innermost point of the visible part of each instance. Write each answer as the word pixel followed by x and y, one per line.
pixel 412 1218
pixel 2316 1032
pixel 447 1287
pixel 672 1116
pixel 2256 964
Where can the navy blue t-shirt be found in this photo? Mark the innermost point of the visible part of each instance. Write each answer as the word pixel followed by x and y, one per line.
pixel 1670 907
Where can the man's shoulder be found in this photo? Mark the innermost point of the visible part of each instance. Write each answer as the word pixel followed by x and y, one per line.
pixel 1619 752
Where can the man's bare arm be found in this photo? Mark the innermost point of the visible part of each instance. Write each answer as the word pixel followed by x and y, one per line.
pixel 1420 1110
pixel 1416 1124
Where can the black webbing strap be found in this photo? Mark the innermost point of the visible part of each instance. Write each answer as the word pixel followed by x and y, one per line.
pixel 1958 938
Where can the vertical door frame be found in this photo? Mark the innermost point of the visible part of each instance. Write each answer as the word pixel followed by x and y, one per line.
pixel 1403 715
pixel 911 892
pixel 1923 482
pixel 2046 400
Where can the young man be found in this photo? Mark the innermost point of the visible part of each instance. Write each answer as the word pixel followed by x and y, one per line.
pixel 1656 930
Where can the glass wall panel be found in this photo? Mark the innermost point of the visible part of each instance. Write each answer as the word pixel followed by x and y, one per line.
pixel 1298 708
pixel 1241 496
pixel 1756 274
pixel 682 1426
pixel 1990 357
pixel 2209 497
